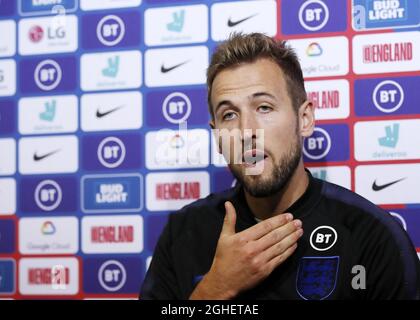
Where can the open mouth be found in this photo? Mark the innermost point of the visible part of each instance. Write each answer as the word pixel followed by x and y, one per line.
pixel 253 157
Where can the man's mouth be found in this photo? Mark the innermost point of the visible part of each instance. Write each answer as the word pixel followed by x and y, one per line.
pixel 253 157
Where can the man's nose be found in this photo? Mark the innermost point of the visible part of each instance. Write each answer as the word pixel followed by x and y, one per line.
pixel 248 127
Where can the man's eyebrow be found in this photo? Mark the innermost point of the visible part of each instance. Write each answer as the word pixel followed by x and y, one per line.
pixel 263 94
pixel 254 95
pixel 223 102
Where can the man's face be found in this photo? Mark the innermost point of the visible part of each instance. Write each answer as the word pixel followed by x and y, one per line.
pixel 254 96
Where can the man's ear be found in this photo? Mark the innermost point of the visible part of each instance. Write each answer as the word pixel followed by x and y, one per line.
pixel 211 124
pixel 306 119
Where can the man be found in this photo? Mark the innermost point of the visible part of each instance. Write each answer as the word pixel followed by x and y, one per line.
pixel 280 233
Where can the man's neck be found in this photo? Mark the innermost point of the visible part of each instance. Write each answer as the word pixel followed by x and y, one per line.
pixel 267 207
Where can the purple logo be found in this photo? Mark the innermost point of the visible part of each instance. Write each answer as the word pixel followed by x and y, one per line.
pixel 57 74
pixel 386 96
pixel 170 108
pixel 48 195
pixel 112 152
pixel 120 275
pixel 323 145
pixel 7 117
pixel 308 16
pixel 111 30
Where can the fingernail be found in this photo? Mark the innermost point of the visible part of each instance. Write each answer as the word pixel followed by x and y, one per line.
pixel 298 223
pixel 289 217
pixel 299 232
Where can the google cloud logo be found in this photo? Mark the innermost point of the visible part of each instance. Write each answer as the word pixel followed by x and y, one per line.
pixel 314 50
pixel 48 228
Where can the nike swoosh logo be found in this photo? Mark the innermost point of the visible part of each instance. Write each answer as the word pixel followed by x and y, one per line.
pixel 235 23
pixel 375 187
pixel 103 114
pixel 39 158
pixel 163 69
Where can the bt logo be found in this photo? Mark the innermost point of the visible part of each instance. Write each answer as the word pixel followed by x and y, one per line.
pixel 112 275
pixel 313 15
pixel 388 96
pixel 111 152
pixel 110 30
pixel 49 113
pixel 111 71
pixel 391 136
pixel 48 75
pixel 48 195
pixel 177 23
pixel 176 107
pixel 318 145
pixel 323 238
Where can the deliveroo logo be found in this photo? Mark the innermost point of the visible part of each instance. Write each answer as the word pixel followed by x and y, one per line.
pixel 49 113
pixel 391 136
pixel 321 174
pixel 177 23
pixel 111 70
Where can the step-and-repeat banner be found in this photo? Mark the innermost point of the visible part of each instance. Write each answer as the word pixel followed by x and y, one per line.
pixel 88 176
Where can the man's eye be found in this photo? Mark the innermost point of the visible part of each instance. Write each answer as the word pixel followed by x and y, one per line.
pixel 264 108
pixel 228 116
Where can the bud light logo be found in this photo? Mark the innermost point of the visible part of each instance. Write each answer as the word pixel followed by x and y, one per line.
pixel 110 30
pixel 176 108
pixel 318 145
pixel 48 75
pixel 111 152
pixel 48 195
pixel 313 15
pixel 323 238
pixel 112 275
pixel 388 96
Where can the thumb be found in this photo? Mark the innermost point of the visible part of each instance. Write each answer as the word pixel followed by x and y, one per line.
pixel 229 221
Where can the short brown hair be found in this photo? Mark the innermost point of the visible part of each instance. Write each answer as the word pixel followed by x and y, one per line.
pixel 242 48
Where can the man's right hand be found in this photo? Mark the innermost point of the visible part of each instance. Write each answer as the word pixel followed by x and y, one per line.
pixel 244 259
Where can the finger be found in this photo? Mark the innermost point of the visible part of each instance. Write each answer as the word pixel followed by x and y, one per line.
pixel 278 260
pixel 282 246
pixel 277 235
pixel 264 227
pixel 229 221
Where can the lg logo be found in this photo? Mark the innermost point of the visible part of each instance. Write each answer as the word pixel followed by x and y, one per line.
pixel 48 75
pixel 110 30
pixel 36 33
pixel 111 152
pixel 313 15
pixel 388 96
pixel 112 275
pixel 323 238
pixel 48 195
